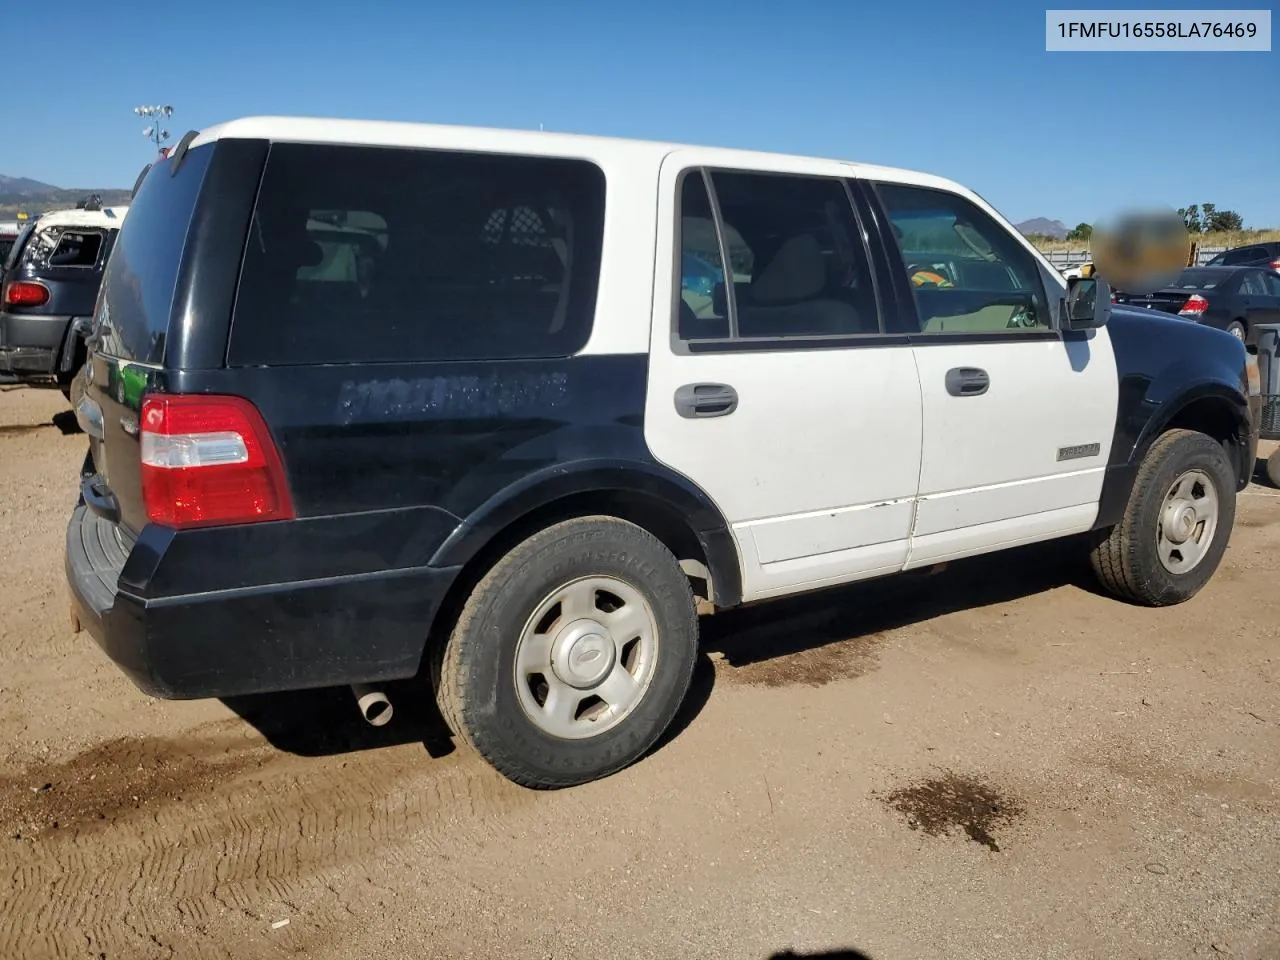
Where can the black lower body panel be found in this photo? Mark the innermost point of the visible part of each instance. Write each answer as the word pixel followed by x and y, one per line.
pixel 318 632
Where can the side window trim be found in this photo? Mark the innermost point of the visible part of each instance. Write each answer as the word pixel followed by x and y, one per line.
pixel 919 336
pixel 735 343
pixel 726 267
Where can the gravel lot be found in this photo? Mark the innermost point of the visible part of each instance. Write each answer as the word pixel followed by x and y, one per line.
pixel 992 762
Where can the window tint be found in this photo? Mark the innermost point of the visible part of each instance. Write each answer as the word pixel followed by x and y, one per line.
pixel 1272 283
pixel 797 264
pixel 362 254
pixel 967 273
pixel 142 271
pixel 1198 279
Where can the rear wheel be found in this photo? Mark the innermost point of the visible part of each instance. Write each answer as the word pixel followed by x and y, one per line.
pixel 572 655
pixel 1176 525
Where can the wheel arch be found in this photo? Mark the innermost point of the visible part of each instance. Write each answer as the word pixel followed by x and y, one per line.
pixel 664 503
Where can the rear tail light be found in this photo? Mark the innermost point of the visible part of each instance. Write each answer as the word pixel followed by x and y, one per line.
pixel 1194 306
pixel 1275 264
pixel 24 293
pixel 209 460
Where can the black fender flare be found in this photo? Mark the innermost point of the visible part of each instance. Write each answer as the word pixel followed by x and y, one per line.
pixel 649 481
pixel 1122 471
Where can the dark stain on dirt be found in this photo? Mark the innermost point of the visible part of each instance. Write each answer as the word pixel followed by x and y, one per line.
pixel 941 804
pixel 118 779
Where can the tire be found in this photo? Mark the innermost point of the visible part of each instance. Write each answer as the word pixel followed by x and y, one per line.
pixel 1273 468
pixel 1128 560
pixel 1237 329
pixel 491 701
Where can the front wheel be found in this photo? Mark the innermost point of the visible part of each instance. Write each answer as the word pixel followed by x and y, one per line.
pixel 572 656
pixel 1236 329
pixel 1176 524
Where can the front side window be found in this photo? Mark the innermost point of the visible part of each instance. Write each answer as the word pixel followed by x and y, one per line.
pixel 967 273
pixel 797 266
pixel 372 254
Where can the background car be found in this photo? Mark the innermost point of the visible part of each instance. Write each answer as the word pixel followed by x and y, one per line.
pixel 1265 255
pixel 48 290
pixel 1234 299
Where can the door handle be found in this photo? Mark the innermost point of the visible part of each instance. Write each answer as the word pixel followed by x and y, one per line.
pixel 697 401
pixel 967 382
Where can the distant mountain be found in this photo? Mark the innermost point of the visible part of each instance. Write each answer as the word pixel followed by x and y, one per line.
pixel 1044 227
pixel 23 186
pixel 32 196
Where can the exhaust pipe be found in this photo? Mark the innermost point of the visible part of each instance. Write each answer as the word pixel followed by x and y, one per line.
pixel 373 703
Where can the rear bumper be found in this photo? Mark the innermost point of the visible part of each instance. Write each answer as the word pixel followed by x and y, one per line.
pixel 30 344
pixel 251 638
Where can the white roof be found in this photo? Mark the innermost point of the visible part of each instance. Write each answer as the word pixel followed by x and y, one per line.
pixel 107 217
pixel 532 142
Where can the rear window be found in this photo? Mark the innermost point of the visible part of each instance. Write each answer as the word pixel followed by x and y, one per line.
pixel 142 273
pixel 368 254
pixel 1199 280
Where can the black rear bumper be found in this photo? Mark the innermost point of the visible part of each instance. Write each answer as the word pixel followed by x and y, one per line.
pixel 250 638
pixel 31 344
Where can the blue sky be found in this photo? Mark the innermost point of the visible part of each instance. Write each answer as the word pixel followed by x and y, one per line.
pixel 963 90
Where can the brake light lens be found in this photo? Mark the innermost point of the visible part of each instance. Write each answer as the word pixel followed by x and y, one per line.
pixel 1194 306
pixel 1275 264
pixel 24 293
pixel 210 460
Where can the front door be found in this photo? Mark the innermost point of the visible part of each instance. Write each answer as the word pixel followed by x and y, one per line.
pixel 772 385
pixel 1018 418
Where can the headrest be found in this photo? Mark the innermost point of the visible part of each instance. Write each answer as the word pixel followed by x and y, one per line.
pixel 796 271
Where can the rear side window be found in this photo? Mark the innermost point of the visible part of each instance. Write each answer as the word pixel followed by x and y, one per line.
pixel 142 273
pixel 369 254
pixel 77 249
pixel 60 246
pixel 797 264
pixel 1243 255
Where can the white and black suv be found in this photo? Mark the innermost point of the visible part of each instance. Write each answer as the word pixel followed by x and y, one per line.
pixel 366 399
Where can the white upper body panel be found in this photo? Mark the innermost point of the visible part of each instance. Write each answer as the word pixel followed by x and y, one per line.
pixel 631 169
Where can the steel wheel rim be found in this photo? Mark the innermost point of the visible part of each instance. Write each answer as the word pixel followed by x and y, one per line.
pixel 585 657
pixel 1237 331
pixel 1188 521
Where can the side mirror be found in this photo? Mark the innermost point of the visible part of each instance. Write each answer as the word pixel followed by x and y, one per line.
pixel 1087 305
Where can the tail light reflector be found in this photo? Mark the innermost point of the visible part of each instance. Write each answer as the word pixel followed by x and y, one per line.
pixel 1194 306
pixel 209 460
pixel 1275 264
pixel 24 293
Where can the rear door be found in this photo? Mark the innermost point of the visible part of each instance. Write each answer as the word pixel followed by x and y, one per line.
pixel 774 386
pixel 1270 299
pixel 127 343
pixel 1017 418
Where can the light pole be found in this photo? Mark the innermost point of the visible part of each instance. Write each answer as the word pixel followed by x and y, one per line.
pixel 155 131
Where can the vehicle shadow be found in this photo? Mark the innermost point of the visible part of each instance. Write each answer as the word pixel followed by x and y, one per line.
pixel 761 632
pixel 848 954
pixel 326 722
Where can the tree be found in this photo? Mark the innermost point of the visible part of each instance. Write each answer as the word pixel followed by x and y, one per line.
pixel 1081 231
pixel 1224 221
pixel 1191 217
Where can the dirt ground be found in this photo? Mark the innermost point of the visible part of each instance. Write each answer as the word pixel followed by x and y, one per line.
pixel 992 762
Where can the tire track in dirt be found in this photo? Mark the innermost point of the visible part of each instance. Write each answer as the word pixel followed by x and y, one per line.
pixel 161 838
